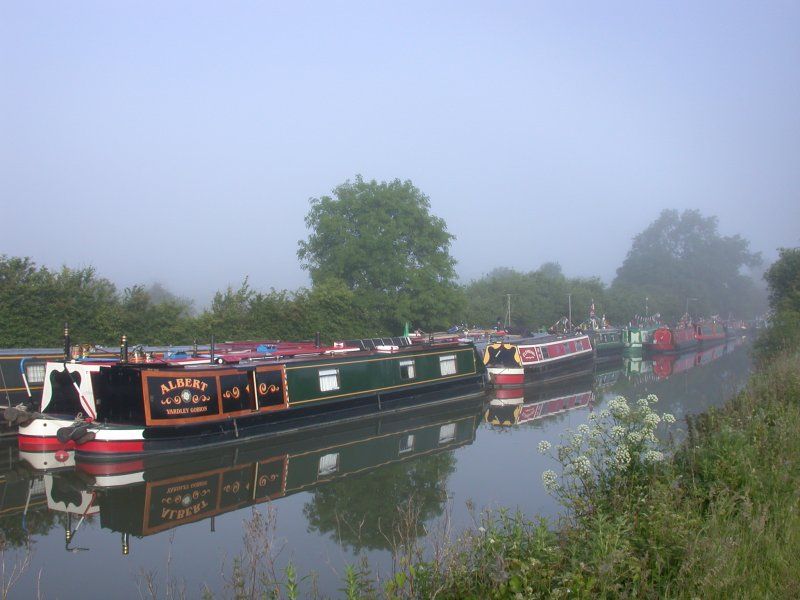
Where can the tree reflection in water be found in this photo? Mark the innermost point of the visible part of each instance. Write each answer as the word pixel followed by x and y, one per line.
pixel 366 512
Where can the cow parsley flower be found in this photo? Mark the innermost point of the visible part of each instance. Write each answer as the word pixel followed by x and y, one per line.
pixel 544 447
pixel 652 398
pixel 668 418
pixel 653 456
pixel 550 480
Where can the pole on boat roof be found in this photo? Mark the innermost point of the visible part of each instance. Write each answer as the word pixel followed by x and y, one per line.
pixel 67 346
pixel 123 349
pixel 126 546
pixel 317 340
pixel 213 525
pixel 194 348
pixel 212 348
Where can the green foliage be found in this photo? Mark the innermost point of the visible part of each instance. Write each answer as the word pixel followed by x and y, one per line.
pixel 381 242
pixel 783 278
pixel 538 298
pixel 682 255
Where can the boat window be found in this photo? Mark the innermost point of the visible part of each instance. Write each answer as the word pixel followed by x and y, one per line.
pixel 328 380
pixel 447 364
pixel 328 464
pixel 545 353
pixel 34 373
pixel 447 433
pixel 407 443
pixel 407 369
pixel 566 348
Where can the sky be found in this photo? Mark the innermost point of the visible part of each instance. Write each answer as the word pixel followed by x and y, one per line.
pixel 180 142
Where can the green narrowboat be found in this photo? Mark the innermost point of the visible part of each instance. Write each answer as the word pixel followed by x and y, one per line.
pixel 139 405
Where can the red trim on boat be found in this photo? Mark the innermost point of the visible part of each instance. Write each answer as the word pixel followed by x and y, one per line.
pixel 508 379
pixel 33 443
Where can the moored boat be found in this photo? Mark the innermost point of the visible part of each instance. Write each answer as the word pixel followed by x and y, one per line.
pixel 606 340
pixel 638 333
pixel 148 404
pixel 710 331
pixel 667 339
pixel 541 357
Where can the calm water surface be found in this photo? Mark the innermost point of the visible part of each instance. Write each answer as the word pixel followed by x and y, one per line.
pixel 332 495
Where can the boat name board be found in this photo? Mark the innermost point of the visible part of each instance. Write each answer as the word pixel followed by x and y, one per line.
pixel 170 399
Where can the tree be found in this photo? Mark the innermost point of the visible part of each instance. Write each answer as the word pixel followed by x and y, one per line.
pixel 783 278
pixel 682 255
pixel 381 241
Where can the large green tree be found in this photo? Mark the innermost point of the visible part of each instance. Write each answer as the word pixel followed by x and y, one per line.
pixel 382 242
pixel 682 256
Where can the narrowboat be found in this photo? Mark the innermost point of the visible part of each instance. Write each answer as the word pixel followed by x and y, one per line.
pixel 145 403
pixel 160 492
pixel 541 357
pixel 710 331
pixel 673 339
pixel 635 337
pixel 22 374
pixel 606 340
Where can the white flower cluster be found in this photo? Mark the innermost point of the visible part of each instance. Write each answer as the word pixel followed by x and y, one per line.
pixel 653 456
pixel 652 398
pixel 622 456
pixel 544 447
pixel 619 407
pixel 668 418
pixel 550 480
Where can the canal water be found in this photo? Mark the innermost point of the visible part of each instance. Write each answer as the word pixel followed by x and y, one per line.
pixel 323 499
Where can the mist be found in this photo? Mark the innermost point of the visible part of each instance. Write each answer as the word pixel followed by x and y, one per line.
pixel 181 143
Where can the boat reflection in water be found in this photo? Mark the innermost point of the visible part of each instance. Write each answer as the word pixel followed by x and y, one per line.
pixel 663 366
pixel 159 492
pixel 517 406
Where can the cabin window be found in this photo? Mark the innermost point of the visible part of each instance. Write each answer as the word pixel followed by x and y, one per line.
pixel 447 364
pixel 328 380
pixel 34 373
pixel 447 433
pixel 407 443
pixel 407 369
pixel 328 464
pixel 545 352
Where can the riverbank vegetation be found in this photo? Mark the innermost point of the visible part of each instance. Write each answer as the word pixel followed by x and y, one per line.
pixel 719 517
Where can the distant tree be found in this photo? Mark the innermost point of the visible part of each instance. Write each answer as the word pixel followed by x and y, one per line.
pixel 682 255
pixel 538 298
pixel 381 241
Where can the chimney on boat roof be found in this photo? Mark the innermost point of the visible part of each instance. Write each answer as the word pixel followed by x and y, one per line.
pixel 123 349
pixel 317 340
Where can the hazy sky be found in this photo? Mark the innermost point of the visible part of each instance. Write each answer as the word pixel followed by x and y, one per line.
pixel 180 142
